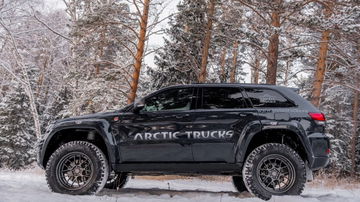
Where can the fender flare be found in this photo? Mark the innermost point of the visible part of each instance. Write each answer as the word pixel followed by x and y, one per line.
pixel 254 129
pixel 102 127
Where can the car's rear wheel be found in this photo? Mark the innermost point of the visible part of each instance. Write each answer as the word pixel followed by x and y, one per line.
pixel 274 169
pixel 77 167
pixel 239 183
pixel 116 180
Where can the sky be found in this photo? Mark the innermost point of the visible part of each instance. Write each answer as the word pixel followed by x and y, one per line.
pixel 156 41
pixel 54 4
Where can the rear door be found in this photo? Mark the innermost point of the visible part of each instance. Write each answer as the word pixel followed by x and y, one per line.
pixel 157 133
pixel 270 104
pixel 221 116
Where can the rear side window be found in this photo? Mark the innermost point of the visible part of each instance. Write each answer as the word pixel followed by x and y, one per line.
pixel 267 98
pixel 172 99
pixel 222 98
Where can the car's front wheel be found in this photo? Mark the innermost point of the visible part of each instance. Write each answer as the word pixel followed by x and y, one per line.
pixel 274 169
pixel 77 167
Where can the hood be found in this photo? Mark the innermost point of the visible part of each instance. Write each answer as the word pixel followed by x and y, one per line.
pixel 88 116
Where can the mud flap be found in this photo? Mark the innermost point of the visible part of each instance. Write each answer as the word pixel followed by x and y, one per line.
pixel 309 173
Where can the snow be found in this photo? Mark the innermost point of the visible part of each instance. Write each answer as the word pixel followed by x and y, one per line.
pixel 31 186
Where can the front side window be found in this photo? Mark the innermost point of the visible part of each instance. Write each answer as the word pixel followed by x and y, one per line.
pixel 222 98
pixel 267 98
pixel 173 99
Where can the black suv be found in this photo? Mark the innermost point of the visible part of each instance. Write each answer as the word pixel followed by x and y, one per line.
pixel 268 138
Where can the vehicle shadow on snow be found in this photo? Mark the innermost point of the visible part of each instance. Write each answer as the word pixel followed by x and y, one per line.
pixel 171 193
pixel 324 197
pixel 192 193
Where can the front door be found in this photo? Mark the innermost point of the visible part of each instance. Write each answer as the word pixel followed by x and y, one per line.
pixel 220 118
pixel 158 132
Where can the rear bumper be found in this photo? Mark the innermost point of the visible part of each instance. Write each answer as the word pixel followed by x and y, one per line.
pixel 320 147
pixel 319 162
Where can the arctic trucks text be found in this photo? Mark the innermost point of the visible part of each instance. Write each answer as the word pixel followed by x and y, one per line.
pixel 267 137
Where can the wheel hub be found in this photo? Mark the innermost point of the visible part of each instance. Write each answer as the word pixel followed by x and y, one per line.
pixel 276 173
pixel 77 170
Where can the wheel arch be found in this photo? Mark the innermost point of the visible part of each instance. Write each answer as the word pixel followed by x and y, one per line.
pixel 283 135
pixel 76 133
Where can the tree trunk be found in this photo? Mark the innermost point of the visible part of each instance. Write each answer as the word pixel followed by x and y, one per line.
pixel 233 69
pixel 286 79
pixel 354 132
pixel 320 68
pixel 321 65
pixel 256 70
pixel 273 50
pixel 24 79
pixel 222 66
pixel 100 55
pixel 34 112
pixel 140 52
pixel 205 52
pixel 41 79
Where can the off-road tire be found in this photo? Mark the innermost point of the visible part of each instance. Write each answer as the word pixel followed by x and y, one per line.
pixel 117 181
pixel 239 184
pixel 257 156
pixel 99 172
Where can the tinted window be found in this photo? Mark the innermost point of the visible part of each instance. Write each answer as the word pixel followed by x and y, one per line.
pixel 173 99
pixel 222 98
pixel 267 98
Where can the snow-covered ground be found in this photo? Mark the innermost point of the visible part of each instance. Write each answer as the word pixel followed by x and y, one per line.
pixel 31 186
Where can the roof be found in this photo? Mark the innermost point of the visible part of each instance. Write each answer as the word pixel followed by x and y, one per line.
pixel 290 93
pixel 225 85
pixel 246 85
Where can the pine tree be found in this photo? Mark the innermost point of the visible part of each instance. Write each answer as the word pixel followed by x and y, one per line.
pixel 207 41
pixel 321 64
pixel 16 129
pixel 100 64
pixel 227 49
pixel 140 49
pixel 180 60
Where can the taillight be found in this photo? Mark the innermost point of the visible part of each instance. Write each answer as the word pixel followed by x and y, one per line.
pixel 317 116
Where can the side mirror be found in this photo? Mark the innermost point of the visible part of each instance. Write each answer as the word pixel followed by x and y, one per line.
pixel 138 105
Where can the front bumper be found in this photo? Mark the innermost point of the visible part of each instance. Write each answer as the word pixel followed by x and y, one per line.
pixel 320 147
pixel 40 144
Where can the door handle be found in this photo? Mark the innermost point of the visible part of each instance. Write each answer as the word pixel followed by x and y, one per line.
pixel 242 115
pixel 264 110
pixel 181 116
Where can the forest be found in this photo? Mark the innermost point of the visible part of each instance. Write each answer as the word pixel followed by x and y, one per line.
pixel 89 56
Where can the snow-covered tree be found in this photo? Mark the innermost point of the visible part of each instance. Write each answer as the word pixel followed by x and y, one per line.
pixel 228 47
pixel 180 60
pixel 32 61
pixel 101 60
pixel 16 129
